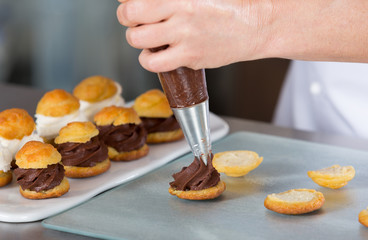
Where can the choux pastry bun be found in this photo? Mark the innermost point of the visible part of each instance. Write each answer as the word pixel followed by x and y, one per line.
pixel 97 92
pixel 40 173
pixel 55 110
pixel 122 131
pixel 157 117
pixel 82 152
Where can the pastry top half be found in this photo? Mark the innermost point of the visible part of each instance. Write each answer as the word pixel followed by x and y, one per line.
pixel 152 103
pixel 57 103
pixel 15 123
pixel 95 89
pixel 116 116
pixel 35 154
pixel 236 163
pixel 334 177
pixel 77 132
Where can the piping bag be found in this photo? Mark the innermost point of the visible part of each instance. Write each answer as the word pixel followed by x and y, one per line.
pixel 186 91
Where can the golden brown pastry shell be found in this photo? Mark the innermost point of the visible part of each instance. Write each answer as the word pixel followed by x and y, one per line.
pixel 15 123
pixel 363 217
pixel 35 154
pixel 76 132
pixel 57 191
pixel 293 208
pixel 205 194
pixel 57 103
pixel 116 116
pixel 128 156
pixel 162 137
pixel 5 178
pixel 152 103
pixel 83 172
pixel 95 89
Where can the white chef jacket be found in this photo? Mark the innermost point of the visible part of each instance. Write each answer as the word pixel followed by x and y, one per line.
pixel 327 97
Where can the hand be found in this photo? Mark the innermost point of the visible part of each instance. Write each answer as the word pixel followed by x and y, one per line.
pixel 200 33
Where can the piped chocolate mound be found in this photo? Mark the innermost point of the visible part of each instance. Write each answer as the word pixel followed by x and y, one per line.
pixel 125 137
pixel 153 125
pixel 41 179
pixel 197 176
pixel 83 154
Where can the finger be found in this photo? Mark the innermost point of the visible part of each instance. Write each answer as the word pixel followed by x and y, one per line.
pixel 162 61
pixel 138 12
pixel 151 36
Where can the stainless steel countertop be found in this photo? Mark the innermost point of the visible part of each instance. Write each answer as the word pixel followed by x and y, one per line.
pixel 27 98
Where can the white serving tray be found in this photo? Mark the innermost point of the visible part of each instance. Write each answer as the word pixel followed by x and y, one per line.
pixel 15 208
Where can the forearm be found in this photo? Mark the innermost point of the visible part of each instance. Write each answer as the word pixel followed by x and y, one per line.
pixel 214 33
pixel 321 30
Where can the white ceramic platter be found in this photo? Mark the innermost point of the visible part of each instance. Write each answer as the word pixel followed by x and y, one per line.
pixel 15 208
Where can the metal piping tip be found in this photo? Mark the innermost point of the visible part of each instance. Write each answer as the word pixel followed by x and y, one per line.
pixel 194 122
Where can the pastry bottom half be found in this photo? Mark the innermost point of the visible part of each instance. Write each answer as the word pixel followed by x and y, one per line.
pixel 5 177
pixel 205 194
pixel 161 137
pixel 57 191
pixel 82 172
pixel 128 156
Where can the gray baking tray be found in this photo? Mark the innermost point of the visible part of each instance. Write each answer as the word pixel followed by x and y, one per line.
pixel 143 208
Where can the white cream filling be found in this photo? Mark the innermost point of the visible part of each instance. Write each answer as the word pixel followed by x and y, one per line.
pixel 90 109
pixel 5 159
pixel 14 145
pixel 33 137
pixel 48 127
pixel 11 145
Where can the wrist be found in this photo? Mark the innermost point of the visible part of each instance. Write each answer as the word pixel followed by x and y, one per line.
pixel 283 29
pixel 289 30
pixel 259 18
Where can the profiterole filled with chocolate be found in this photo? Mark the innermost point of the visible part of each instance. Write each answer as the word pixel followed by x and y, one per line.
pixel 122 131
pixel 40 173
pixel 158 119
pixel 198 181
pixel 83 154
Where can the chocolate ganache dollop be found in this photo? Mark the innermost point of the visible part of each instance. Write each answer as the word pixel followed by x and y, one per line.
pixel 125 137
pixel 86 154
pixel 196 176
pixel 41 179
pixel 153 125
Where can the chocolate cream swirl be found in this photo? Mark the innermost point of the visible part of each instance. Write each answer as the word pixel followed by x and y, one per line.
pixel 153 125
pixel 86 154
pixel 41 179
pixel 123 138
pixel 196 176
